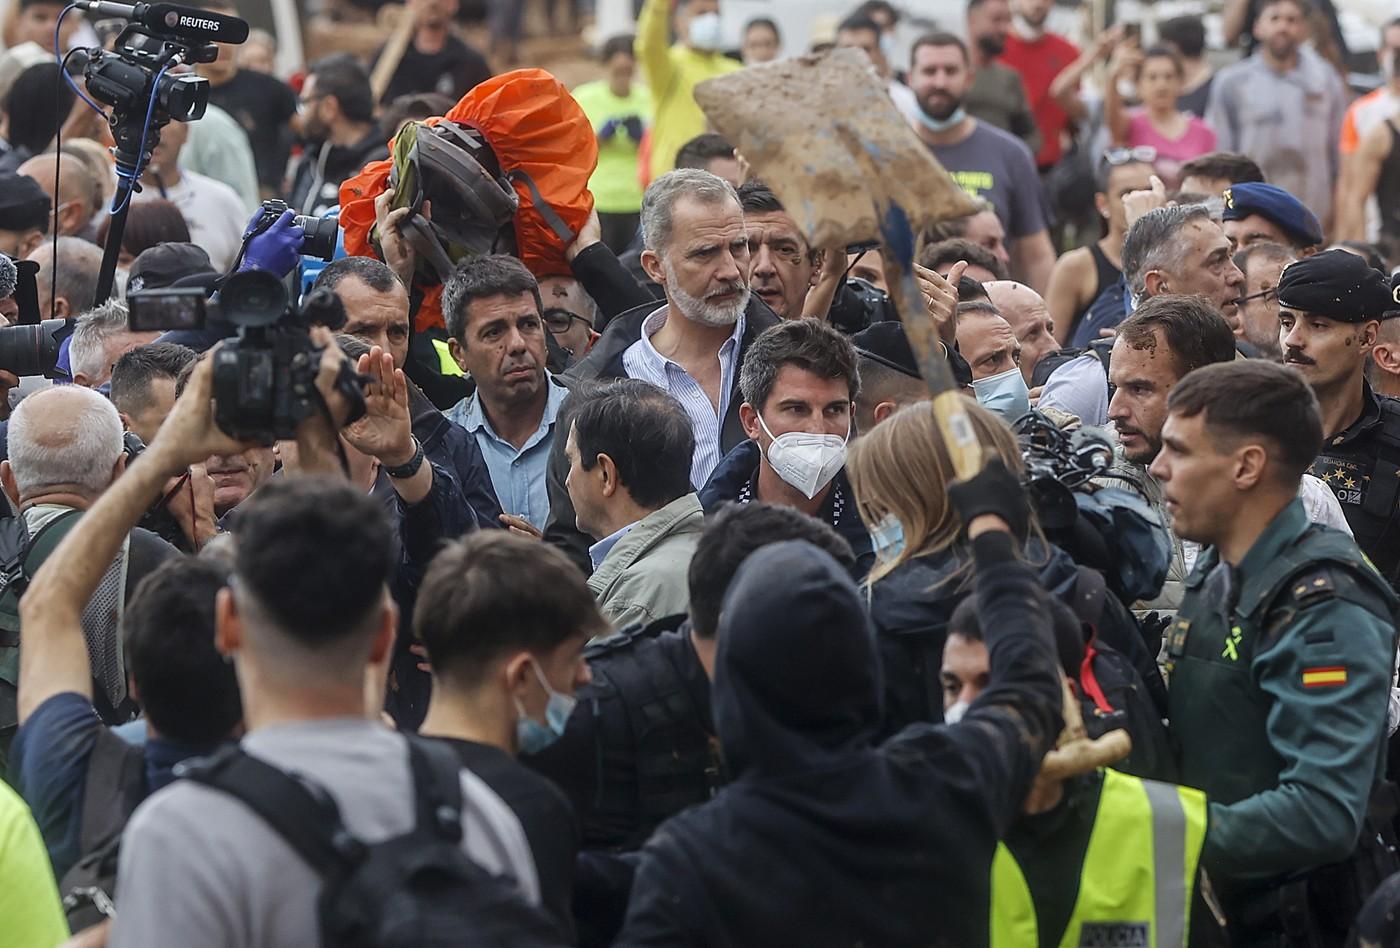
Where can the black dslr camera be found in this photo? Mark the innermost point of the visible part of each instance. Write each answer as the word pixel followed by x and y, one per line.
pixel 320 232
pixel 265 379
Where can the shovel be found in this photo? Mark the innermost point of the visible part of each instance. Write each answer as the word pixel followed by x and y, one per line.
pixel 822 132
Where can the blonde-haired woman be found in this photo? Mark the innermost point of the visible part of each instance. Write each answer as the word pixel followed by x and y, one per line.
pixel 900 472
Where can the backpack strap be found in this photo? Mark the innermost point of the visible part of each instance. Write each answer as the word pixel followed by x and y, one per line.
pixel 301 812
pixel 1090 591
pixel 546 212
pixel 16 573
pixel 437 787
pixel 115 785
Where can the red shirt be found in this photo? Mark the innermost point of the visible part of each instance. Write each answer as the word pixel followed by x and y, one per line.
pixel 1039 62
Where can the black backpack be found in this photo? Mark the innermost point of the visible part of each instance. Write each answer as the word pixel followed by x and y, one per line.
pixel 114 787
pixel 1112 692
pixel 418 890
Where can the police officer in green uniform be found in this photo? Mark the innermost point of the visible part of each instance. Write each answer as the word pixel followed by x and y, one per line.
pixel 1332 305
pixel 1279 662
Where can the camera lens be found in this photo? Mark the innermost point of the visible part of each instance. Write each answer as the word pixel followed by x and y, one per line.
pixel 253 298
pixel 29 349
pixel 320 236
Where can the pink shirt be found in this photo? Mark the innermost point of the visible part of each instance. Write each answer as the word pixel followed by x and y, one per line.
pixel 1198 139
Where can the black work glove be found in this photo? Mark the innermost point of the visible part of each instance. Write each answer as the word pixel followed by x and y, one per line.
pixel 994 490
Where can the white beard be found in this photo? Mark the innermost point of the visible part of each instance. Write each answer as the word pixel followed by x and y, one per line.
pixel 700 310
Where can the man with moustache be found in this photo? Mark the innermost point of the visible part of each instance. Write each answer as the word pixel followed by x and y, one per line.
pixel 693 344
pixel 1331 309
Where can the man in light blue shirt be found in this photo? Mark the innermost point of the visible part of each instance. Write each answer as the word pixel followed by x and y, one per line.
pixel 494 315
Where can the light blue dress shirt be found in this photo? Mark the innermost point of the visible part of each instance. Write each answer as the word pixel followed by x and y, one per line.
pixel 641 361
pixel 517 476
pixel 599 551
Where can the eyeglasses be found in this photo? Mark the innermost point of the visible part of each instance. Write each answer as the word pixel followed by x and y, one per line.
pixel 1261 295
pixel 559 321
pixel 1145 154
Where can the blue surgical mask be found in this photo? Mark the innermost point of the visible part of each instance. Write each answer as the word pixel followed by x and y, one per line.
pixel 531 736
pixel 887 46
pixel 887 537
pixel 705 33
pixel 1004 393
pixel 942 125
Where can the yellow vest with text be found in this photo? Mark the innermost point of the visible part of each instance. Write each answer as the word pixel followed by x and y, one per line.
pixel 1138 876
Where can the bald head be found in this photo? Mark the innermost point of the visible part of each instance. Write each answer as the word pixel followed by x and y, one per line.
pixel 79 263
pixel 1029 317
pixel 72 192
pixel 62 439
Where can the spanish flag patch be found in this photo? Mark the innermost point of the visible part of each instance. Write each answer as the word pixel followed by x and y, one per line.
pixel 1323 677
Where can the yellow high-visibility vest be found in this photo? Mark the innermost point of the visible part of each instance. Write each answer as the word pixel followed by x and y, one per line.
pixel 446 364
pixel 1138 877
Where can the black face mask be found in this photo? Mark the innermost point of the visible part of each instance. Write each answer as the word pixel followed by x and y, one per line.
pixel 991 45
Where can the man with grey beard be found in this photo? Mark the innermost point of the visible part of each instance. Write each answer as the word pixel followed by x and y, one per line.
pixel 697 250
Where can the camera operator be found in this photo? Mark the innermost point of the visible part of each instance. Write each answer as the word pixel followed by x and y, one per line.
pixel 306 622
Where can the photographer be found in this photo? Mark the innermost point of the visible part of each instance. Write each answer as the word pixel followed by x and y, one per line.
pixel 306 621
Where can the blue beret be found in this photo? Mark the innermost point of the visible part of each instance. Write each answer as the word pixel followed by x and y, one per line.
pixel 1275 204
pixel 1338 285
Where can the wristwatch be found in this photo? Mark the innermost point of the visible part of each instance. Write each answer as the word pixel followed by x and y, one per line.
pixel 410 467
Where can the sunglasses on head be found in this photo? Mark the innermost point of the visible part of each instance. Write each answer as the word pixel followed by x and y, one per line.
pixel 1144 154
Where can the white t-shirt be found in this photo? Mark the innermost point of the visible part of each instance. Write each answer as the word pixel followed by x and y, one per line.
pixel 213 211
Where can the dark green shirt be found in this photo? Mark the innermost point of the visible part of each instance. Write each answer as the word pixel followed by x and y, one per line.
pixel 1279 713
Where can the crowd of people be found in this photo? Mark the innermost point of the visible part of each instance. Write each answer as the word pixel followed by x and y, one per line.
pixel 617 584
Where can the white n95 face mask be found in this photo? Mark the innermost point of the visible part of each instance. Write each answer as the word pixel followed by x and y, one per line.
pixel 806 461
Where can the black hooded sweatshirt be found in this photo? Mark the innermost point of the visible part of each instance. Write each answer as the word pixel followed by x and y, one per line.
pixel 823 838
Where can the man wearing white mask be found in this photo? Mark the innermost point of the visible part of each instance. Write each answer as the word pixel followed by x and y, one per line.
pixel 799 381
pixel 672 71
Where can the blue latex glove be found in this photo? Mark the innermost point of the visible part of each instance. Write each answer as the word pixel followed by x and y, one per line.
pixel 608 130
pixel 633 124
pixel 276 250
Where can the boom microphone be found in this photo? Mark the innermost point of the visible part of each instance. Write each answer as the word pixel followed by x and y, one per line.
pixel 9 277
pixel 170 19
